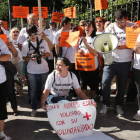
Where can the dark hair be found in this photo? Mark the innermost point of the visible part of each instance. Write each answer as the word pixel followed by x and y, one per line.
pixel 75 27
pixel 65 60
pixel 31 29
pixel 65 20
pixel 93 25
pixel 120 13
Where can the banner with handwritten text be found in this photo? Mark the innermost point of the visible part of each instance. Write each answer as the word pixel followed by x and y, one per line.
pixel 72 120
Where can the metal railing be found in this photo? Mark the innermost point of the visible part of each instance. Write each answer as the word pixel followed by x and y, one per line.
pixel 132 6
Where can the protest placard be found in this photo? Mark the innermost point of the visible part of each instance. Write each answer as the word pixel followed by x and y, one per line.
pixel 131 37
pixel 5 25
pixel 100 4
pixel 138 22
pixel 69 39
pixel 74 119
pixel 85 62
pixel 20 12
pixel 81 29
pixel 70 12
pixel 57 17
pixel 3 37
pixel 44 12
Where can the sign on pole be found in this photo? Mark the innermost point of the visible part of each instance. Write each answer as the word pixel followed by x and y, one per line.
pixel 100 4
pixel 20 12
pixel 70 12
pixel 44 12
pixel 40 15
pixel 57 17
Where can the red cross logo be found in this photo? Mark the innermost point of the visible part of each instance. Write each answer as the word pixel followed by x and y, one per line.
pixel 87 116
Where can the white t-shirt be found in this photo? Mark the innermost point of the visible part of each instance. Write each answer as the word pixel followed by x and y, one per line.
pixel 123 55
pixel 3 50
pixel 137 58
pixel 61 86
pixel 49 34
pixel 71 50
pixel 22 36
pixel 98 33
pixel 15 43
pixel 33 67
pixel 53 31
pixel 84 48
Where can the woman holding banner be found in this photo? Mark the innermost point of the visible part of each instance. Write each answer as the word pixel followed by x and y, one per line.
pixel 89 77
pixel 59 83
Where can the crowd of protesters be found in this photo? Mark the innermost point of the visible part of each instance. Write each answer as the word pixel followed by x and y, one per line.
pixel 50 72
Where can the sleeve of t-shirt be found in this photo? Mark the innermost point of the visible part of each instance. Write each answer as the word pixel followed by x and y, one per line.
pixel 21 37
pixel 49 81
pixel 75 81
pixel 55 40
pixel 24 50
pixel 4 48
pixel 107 29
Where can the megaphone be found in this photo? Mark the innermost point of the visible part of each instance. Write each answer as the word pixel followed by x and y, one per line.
pixel 105 44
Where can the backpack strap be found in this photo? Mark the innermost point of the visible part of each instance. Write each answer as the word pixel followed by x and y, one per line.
pixel 37 48
pixel 54 78
pixel 70 74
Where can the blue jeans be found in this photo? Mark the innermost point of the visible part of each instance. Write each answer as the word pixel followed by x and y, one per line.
pixel 122 71
pixel 34 81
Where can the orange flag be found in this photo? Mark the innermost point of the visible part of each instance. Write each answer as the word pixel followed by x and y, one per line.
pixel 100 4
pixel 138 22
pixel 20 12
pixel 81 29
pixel 5 25
pixel 3 37
pixel 85 62
pixel 70 12
pixel 69 39
pixel 131 37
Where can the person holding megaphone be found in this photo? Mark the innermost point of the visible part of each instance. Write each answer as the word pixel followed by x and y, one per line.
pixel 119 62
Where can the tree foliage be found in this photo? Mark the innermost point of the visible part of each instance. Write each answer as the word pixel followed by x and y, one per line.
pixel 51 4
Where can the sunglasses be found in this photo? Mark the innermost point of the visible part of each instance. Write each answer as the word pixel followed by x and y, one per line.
pixel 60 58
pixel 82 25
pixel 32 34
pixel 122 21
pixel 15 31
pixel 98 21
